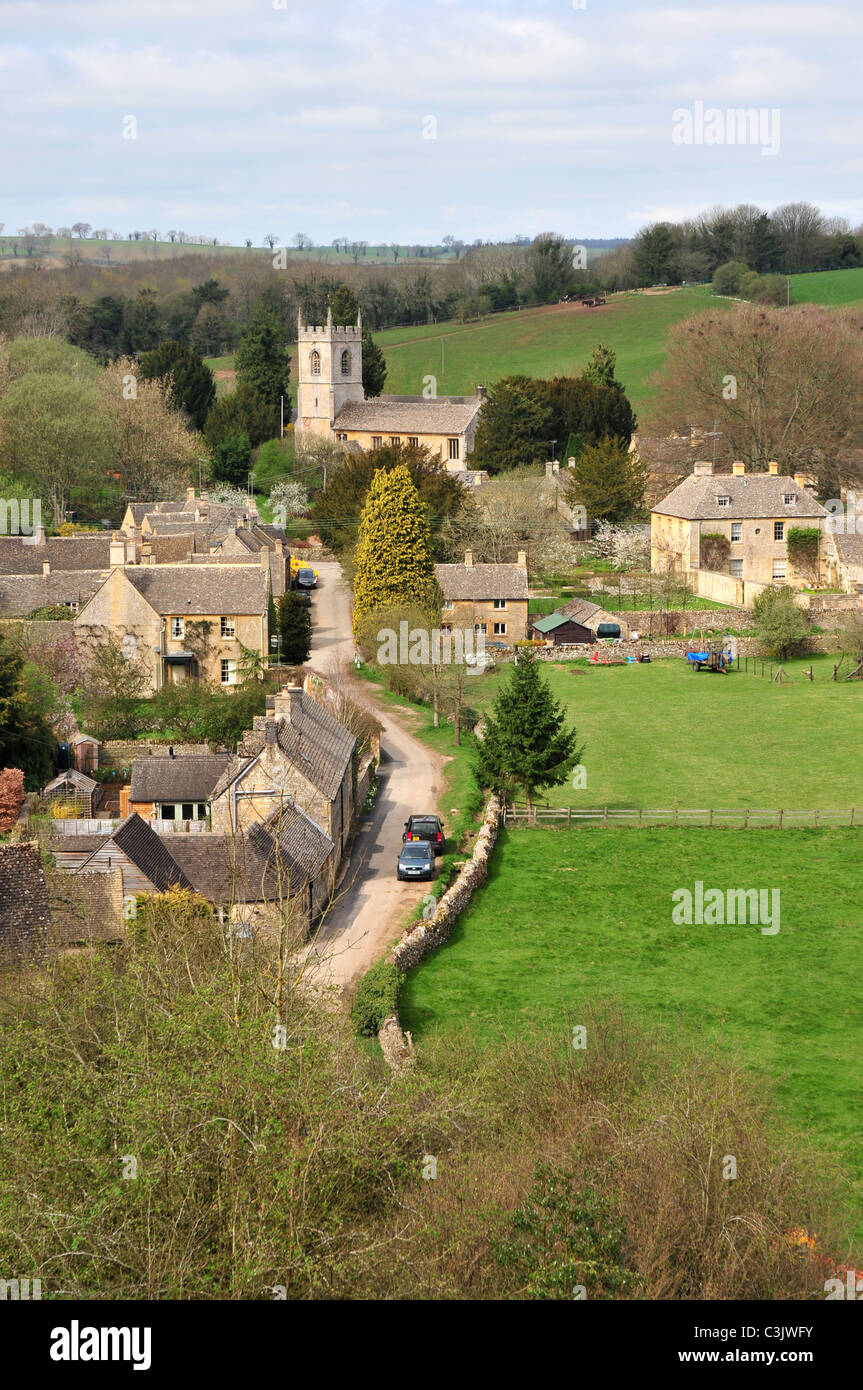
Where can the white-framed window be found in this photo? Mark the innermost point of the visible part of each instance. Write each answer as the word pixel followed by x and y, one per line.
pixel 346 362
pixel 377 441
pixel 499 603
pixel 789 499
pixel 229 627
pixel 315 362
pixel 395 439
pixel 181 810
pixel 178 627
pixel 723 500
pixel 737 530
pixel 229 671
pixel 341 437
pixel 480 627
pixel 779 530
pixel 735 568
pixel 778 569
pixel 447 603
pixel 499 629
pixel 413 440
pixel 452 445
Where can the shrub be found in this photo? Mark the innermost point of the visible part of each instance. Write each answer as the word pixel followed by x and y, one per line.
pixel 715 549
pixel 377 998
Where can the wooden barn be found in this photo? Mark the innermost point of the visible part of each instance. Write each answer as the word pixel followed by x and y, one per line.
pixel 558 629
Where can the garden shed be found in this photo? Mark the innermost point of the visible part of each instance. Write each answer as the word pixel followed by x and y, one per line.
pixel 73 794
pixel 558 628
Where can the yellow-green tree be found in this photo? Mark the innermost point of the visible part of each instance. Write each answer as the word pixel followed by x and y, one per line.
pixel 394 558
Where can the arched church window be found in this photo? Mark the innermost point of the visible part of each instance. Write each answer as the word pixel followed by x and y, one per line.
pixel 315 362
pixel 346 363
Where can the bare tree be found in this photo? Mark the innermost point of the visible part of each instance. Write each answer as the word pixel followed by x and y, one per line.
pixel 81 229
pixel 271 240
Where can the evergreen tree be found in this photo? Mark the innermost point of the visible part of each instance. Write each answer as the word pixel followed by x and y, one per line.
pixel 262 358
pixel 294 628
pixel 231 460
pixel 191 383
pixel 608 481
pixel 394 560
pixel 526 745
pixel 25 737
pixel 241 412
pixel 338 508
pixel 374 366
pixel 344 305
pixel 514 426
pixel 600 367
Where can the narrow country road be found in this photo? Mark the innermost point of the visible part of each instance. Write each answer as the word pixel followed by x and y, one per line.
pixel 371 905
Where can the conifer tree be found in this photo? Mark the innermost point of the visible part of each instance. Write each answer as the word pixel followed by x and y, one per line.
pixel 526 745
pixel 294 629
pixel 262 359
pixel 394 558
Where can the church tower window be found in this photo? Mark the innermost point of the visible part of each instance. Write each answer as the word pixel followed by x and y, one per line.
pixel 346 363
pixel 315 362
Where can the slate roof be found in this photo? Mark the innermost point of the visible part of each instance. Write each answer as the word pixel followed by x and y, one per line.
pixel 752 495
pixel 249 868
pixel 187 778
pixel 849 548
pixel 20 594
pixel 70 844
pixel 140 843
pixel 408 415
pixel 200 589
pixel 316 743
pixel 173 549
pixel 25 913
pixel 482 582
pixel 81 552
pixel 580 610
pixel 303 843
pixel 86 907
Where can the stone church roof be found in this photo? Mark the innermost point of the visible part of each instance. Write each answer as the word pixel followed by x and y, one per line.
pixel 405 415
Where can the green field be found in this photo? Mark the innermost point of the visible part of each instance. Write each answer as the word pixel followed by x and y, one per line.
pixel 830 287
pixel 553 341
pixel 661 736
pixel 570 916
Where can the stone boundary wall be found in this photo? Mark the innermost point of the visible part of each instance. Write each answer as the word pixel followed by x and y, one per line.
pixel 423 937
pixel 118 753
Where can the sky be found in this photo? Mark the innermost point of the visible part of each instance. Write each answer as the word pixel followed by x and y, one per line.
pixel 409 120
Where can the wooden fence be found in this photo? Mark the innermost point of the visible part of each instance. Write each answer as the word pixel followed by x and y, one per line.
pixel 80 826
pixel 742 817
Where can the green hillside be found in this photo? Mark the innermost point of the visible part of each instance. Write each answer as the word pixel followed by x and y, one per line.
pixel 551 341
pixel 830 287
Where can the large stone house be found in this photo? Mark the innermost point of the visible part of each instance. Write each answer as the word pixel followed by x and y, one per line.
pixel 295 756
pixel 181 621
pixel 491 599
pixel 174 793
pixel 331 401
pixel 736 525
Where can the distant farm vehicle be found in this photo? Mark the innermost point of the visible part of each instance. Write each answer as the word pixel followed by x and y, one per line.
pixel 714 658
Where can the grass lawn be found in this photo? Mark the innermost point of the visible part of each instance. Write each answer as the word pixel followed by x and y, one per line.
pixel 662 736
pixel 552 341
pixel 569 916
pixel 830 287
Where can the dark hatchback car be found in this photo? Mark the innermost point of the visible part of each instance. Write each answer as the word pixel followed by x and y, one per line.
pixel 425 828
pixel 306 579
pixel 416 860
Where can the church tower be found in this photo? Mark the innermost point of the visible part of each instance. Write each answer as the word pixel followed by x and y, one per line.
pixel 330 373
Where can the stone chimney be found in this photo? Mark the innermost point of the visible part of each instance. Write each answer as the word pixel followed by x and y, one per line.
pixel 117 551
pixel 46 566
pixel 773 468
pixel 468 557
pixel 738 468
pixel 38 537
pixel 265 559
pixel 522 560
pixel 481 392
pixel 702 469
pixel 288 704
pixel 270 731
pixel 190 494
pixel 146 553
pixel 800 479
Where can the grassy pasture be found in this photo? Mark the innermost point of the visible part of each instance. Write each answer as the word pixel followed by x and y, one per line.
pixel 830 287
pixel 552 341
pixel 569 916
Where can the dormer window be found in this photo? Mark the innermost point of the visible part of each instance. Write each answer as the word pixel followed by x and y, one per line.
pixel 723 500
pixel 789 499
pixel 346 363
pixel 315 362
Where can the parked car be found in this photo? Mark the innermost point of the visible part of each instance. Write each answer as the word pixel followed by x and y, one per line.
pixel 306 578
pixel 416 860
pixel 425 828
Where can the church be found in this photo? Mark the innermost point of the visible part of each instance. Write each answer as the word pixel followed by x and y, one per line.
pixel 331 401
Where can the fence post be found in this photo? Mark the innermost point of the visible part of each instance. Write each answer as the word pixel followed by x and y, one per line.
pixel 815 813
pixel 780 819
pixel 710 821
pixel 852 815
pixel 605 815
pixel 675 815
pixel 746 821
pixel 569 815
pixel 639 817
